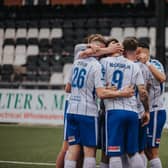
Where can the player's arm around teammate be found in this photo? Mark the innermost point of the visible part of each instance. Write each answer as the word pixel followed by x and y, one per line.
pixel 95 50
pixel 104 161
pixel 86 74
pixel 90 152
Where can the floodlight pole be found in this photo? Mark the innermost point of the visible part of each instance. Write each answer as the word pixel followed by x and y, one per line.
pixel 160 31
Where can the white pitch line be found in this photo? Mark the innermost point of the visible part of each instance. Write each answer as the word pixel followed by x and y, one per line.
pixel 27 163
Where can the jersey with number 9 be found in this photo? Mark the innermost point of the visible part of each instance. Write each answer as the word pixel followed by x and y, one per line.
pixel 120 72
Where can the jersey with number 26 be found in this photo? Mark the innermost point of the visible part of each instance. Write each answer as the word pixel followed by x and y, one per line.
pixel 86 76
pixel 120 72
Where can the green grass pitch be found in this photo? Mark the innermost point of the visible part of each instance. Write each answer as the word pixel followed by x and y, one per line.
pixel 42 144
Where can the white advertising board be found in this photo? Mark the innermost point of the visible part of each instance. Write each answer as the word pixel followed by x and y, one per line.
pixel 32 106
pixel 37 106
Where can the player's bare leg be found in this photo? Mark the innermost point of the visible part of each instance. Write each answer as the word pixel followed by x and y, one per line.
pixel 80 160
pixel 72 156
pixel 61 155
pixel 89 157
pixel 153 157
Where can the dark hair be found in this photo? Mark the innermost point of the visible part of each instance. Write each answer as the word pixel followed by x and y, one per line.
pixel 112 40
pixel 96 37
pixel 130 44
pixel 144 43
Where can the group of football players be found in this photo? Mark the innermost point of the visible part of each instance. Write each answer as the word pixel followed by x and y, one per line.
pixel 128 123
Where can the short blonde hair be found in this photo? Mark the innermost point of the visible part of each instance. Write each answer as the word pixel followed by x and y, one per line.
pixel 96 37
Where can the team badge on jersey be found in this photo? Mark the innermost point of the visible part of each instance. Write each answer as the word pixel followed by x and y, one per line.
pixel 114 149
pixel 157 141
pixel 71 139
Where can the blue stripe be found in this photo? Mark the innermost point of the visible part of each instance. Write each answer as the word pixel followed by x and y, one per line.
pixel 94 93
pixel 161 88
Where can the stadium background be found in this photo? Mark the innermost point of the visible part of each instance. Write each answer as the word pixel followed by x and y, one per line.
pixel 37 38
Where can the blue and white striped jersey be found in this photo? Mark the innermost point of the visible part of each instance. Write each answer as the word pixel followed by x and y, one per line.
pixel 146 76
pixel 120 72
pixel 156 88
pixel 86 76
pixel 78 49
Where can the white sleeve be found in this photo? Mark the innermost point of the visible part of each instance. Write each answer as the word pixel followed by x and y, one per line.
pixel 104 70
pixel 78 49
pixel 146 73
pixel 138 76
pixel 98 76
pixel 158 65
